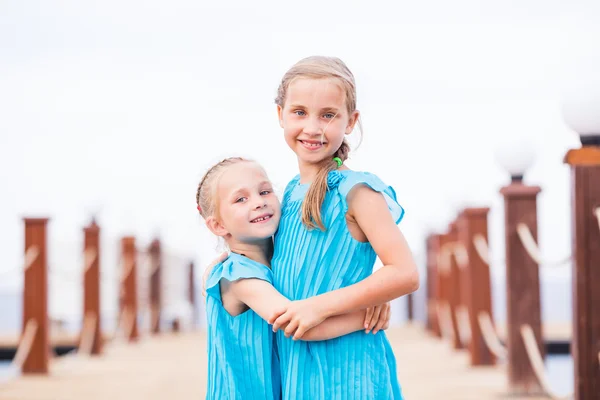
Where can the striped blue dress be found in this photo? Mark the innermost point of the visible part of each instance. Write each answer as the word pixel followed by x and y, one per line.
pixel 242 359
pixel 308 263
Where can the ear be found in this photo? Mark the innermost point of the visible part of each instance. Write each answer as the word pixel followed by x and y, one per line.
pixel 352 122
pixel 280 115
pixel 216 227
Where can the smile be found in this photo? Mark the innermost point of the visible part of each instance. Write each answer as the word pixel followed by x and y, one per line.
pixel 312 144
pixel 262 218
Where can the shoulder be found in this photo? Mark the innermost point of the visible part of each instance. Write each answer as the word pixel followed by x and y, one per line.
pixel 235 268
pixel 360 186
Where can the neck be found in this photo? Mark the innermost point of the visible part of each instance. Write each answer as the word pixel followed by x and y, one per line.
pixel 309 171
pixel 259 251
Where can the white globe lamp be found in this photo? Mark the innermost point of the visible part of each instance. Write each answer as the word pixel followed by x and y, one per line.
pixel 581 105
pixel 516 159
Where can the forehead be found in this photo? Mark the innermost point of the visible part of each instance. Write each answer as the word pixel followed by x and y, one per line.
pixel 325 92
pixel 243 175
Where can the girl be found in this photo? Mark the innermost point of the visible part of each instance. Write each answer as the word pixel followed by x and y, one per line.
pixel 334 224
pixel 236 199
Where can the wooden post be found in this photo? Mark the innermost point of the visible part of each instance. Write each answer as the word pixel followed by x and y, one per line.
pixel 175 325
pixel 91 285
pixel 476 281
pixel 449 291
pixel 522 285
pixel 433 283
pixel 35 294
pixel 454 286
pixel 155 285
pixel 585 198
pixel 192 292
pixel 410 306
pixel 128 284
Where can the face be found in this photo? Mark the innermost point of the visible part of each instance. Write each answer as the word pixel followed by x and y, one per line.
pixel 315 118
pixel 248 208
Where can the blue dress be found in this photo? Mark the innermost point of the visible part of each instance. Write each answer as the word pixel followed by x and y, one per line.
pixel 242 359
pixel 308 263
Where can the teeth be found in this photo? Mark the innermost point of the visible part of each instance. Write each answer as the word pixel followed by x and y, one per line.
pixel 261 219
pixel 312 144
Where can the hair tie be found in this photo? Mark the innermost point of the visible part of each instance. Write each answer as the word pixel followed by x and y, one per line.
pixel 338 161
pixel 199 208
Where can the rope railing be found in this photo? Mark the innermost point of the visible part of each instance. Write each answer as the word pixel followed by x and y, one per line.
pixel 69 272
pixel 533 249
pixel 88 334
pixel 445 320
pixel 90 255
pixel 490 337
pixel 481 248
pixel 537 362
pixel 444 259
pixel 460 255
pixel 31 255
pixel 128 267
pixel 25 344
pixel 464 325
pixel 125 325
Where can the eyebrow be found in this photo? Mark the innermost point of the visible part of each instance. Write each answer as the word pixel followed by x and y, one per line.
pixel 243 190
pixel 334 109
pixel 237 193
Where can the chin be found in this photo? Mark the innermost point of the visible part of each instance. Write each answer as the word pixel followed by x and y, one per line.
pixel 259 235
pixel 313 158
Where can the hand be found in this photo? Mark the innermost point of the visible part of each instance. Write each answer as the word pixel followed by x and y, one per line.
pixel 300 316
pixel 378 318
pixel 210 267
pixel 276 314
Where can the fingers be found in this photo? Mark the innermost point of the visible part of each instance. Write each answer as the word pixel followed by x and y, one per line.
pixel 368 316
pixel 276 314
pixel 374 319
pixel 299 332
pixel 291 328
pixel 388 319
pixel 384 320
pixel 281 320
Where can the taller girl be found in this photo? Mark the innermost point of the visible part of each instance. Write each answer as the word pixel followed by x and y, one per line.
pixel 334 224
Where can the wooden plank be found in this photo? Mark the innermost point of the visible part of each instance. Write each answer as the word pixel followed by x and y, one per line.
pixel 174 366
pixel 11 340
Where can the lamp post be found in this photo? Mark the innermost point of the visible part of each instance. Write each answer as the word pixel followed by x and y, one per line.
pixel 581 111
pixel 522 275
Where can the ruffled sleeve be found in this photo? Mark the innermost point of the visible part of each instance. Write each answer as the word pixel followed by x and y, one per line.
pixel 354 178
pixel 236 267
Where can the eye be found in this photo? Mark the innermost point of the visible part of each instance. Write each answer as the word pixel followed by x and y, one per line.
pixel 265 192
pixel 329 115
pixel 300 113
pixel 241 200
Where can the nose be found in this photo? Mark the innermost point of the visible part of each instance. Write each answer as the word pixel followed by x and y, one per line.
pixel 259 203
pixel 313 127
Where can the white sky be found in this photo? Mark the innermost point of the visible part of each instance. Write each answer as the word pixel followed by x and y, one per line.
pixel 120 106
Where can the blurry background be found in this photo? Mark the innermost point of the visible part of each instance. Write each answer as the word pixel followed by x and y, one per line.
pixel 116 109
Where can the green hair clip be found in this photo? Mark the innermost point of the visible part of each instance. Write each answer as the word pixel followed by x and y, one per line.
pixel 338 161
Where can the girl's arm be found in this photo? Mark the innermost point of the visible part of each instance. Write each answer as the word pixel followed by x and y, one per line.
pixel 398 276
pixel 269 304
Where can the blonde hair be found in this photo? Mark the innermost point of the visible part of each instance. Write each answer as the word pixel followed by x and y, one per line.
pixel 321 67
pixel 206 195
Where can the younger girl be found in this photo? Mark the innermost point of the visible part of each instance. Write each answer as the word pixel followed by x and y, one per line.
pixel 236 199
pixel 334 224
